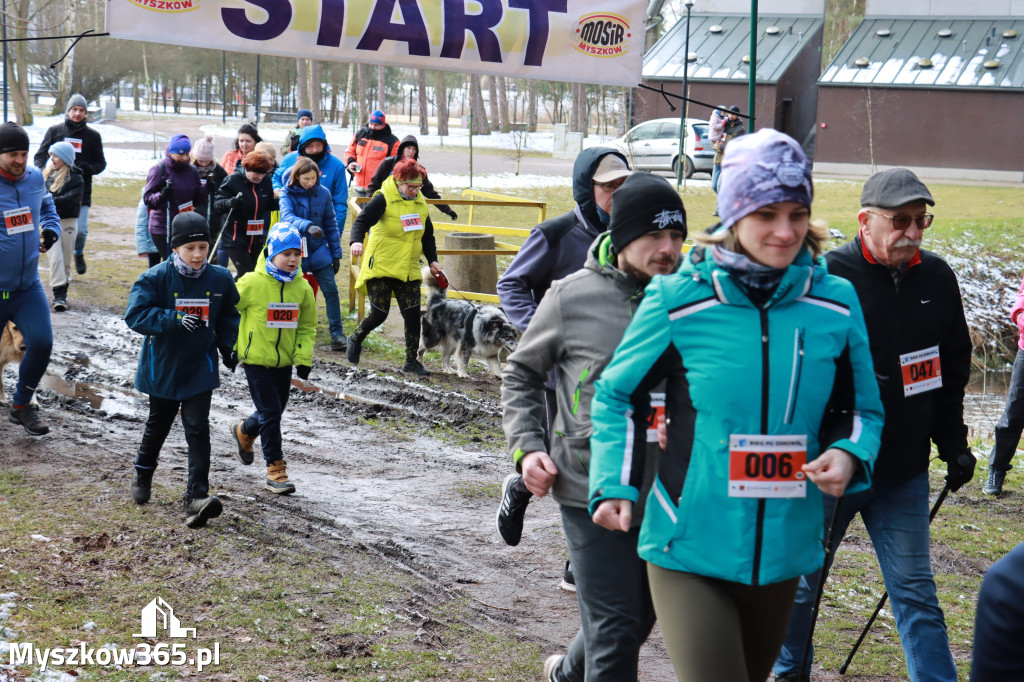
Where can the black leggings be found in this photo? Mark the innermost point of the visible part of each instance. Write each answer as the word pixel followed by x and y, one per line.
pixel 160 240
pixel 379 291
pixel 242 259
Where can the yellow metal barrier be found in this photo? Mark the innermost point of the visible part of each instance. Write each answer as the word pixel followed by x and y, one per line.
pixel 357 300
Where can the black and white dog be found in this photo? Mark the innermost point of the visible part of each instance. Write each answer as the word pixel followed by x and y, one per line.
pixel 464 330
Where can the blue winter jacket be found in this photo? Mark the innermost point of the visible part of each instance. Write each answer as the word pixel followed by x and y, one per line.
pixel 176 364
pixel 332 172
pixel 304 208
pixel 798 366
pixel 19 252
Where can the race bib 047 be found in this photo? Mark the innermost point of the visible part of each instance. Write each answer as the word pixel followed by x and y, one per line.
pixel 922 371
pixel 767 466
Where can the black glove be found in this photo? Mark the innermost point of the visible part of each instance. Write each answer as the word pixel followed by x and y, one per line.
pixel 452 214
pixel 48 239
pixel 191 322
pixel 229 359
pixel 336 264
pixel 302 371
pixel 166 192
pixel 959 470
pixel 315 232
pixel 236 202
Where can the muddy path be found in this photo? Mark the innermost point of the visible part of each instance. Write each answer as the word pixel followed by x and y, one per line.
pixel 388 489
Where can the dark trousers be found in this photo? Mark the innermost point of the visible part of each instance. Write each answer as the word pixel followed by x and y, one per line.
pixel 268 387
pixel 240 256
pixel 160 240
pixel 379 291
pixel 1011 424
pixel 614 600
pixel 195 419
pixel 29 309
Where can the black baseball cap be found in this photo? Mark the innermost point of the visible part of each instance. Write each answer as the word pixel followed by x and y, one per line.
pixel 894 188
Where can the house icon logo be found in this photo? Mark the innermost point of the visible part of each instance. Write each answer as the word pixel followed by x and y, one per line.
pixel 157 615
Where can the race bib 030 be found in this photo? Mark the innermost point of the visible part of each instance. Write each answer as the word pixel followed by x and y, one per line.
pixel 767 466
pixel 18 220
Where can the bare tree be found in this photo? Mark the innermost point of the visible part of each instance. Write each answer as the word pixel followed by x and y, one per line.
pixel 361 93
pixel 315 91
pixel 502 86
pixel 382 95
pixel 421 101
pixel 441 97
pixel 476 107
pixel 492 99
pixel 301 82
pixel 531 111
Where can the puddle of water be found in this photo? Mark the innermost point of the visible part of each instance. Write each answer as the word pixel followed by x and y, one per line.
pixel 110 401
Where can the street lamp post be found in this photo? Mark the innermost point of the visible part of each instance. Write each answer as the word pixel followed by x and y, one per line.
pixel 685 108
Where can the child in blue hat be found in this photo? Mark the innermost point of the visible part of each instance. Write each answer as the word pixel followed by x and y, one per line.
pixel 276 332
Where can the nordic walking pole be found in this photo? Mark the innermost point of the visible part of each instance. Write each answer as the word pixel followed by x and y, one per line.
pixel 821 584
pixel 885 595
pixel 227 220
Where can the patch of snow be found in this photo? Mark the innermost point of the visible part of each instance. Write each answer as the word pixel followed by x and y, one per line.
pixel 39 538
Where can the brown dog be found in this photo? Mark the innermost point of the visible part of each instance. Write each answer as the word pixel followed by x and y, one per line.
pixel 12 349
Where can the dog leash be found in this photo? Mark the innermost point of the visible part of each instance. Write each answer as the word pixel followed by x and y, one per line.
pixel 448 285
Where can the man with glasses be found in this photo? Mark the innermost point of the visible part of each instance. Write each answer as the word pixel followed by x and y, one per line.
pixel 922 355
pixel 555 249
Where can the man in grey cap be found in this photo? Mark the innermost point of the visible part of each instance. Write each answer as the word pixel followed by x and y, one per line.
pixel 554 249
pixel 922 356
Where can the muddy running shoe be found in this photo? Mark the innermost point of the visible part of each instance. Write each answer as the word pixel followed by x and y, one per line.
pixel 551 666
pixel 355 347
pixel 509 519
pixel 60 305
pixel 142 481
pixel 415 367
pixel 994 482
pixel 80 263
pixel 27 417
pixel 339 343
pixel 199 510
pixel 277 478
pixel 243 443
pixel 568 579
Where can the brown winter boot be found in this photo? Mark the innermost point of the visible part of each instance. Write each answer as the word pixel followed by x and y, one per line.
pixel 243 443
pixel 277 478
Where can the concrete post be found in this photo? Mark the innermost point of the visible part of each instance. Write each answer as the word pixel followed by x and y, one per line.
pixel 470 273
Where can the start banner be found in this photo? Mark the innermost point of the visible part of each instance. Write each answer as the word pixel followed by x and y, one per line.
pixel 589 41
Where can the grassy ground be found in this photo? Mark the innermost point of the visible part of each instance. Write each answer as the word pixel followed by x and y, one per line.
pixel 285 610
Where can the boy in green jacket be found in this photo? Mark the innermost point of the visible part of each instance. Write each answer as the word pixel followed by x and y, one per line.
pixel 277 328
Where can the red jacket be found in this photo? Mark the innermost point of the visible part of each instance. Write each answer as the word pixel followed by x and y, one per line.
pixel 368 148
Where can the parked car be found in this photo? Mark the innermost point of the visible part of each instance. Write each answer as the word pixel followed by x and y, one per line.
pixel 654 146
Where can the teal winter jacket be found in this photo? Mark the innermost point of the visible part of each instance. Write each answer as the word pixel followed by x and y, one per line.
pixel 798 366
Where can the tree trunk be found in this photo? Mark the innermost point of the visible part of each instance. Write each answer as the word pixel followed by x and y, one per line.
pixel 314 90
pixel 382 99
pixel 531 112
pixel 362 111
pixel 441 97
pixel 492 99
pixel 421 101
pixel 350 96
pixel 175 97
pixel 624 116
pixel 135 90
pixel 301 83
pixel 503 104
pixel 476 107
pixel 67 67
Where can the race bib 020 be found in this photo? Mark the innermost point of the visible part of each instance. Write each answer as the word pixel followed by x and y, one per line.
pixel 18 220
pixel 767 466
pixel 254 228
pixel 922 371
pixel 194 306
pixel 412 222
pixel 282 315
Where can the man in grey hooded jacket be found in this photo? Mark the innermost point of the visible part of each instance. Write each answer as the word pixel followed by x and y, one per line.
pixel 575 329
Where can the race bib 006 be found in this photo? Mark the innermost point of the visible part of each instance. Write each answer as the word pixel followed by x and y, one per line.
pixel 767 466
pixel 283 315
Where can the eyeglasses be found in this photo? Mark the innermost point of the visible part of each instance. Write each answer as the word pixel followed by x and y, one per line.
pixel 902 222
pixel 610 186
pixel 412 185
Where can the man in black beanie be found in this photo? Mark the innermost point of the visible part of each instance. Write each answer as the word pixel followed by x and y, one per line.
pixel 89 157
pixel 576 328
pixel 30 227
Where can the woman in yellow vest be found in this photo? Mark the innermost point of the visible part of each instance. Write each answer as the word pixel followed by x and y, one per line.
pixel 400 232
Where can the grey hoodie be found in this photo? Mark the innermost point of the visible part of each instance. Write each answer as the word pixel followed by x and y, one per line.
pixel 576 327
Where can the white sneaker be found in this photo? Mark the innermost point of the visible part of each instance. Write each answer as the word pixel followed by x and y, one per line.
pixel 551 664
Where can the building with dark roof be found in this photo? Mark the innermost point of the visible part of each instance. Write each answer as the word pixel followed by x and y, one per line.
pixel 788 64
pixel 940 93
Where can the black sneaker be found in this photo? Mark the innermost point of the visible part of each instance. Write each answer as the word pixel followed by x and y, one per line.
pixel 60 305
pixel 27 417
pixel 339 343
pixel 792 677
pixel 568 579
pixel 509 519
pixel 994 482
pixel 355 347
pixel 416 367
pixel 198 510
pixel 142 481
pixel 80 263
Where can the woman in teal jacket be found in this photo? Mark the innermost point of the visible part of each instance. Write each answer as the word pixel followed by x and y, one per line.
pixel 782 392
